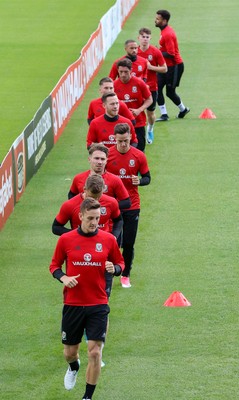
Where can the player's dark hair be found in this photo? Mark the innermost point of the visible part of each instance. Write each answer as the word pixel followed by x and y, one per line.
pixel 121 129
pixel 164 13
pixel 125 62
pixel 89 204
pixel 98 147
pixel 106 95
pixel 95 184
pixel 145 30
pixel 104 80
pixel 129 41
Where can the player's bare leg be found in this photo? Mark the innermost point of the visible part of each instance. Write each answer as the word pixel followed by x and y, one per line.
pixel 72 357
pixel 93 367
pixel 150 127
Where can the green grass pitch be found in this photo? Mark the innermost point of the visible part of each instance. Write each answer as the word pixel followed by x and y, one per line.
pixel 188 230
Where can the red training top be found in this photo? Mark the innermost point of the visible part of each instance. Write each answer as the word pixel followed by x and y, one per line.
pixel 133 93
pixel 168 43
pixel 101 130
pixel 126 165
pixel 96 109
pixel 69 211
pixel 113 185
pixel 86 255
pixel 139 68
pixel 155 57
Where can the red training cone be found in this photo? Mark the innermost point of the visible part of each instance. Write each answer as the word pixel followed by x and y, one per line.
pixel 177 299
pixel 207 114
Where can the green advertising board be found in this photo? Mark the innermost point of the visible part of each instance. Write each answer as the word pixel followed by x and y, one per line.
pixel 38 138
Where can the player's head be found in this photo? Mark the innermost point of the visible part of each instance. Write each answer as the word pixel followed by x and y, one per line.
pixel 131 47
pixel 89 215
pixel 124 67
pixel 94 186
pixel 98 147
pixel 111 104
pixel 98 154
pixel 146 31
pixel 162 18
pixel 144 36
pixel 122 137
pixel 106 85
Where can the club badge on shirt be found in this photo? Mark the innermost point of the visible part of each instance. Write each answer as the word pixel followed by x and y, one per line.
pixel 98 247
pixel 103 210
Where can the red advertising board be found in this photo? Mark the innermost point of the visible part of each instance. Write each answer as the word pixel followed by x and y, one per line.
pixel 6 189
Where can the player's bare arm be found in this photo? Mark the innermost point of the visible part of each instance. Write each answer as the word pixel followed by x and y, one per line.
pixel 146 104
pixel 159 68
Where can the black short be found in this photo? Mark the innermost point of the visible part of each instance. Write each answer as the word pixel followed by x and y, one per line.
pixel 153 105
pixel 172 77
pixel 76 319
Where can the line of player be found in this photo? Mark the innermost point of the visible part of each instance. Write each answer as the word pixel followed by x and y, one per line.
pixel 103 205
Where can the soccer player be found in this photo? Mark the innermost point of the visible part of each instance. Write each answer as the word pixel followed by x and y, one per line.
pixel 139 64
pixel 98 155
pixel 96 108
pixel 131 166
pixel 109 209
pixel 168 44
pixel 110 216
pixel 136 95
pixel 88 253
pixel 101 129
pixel 156 63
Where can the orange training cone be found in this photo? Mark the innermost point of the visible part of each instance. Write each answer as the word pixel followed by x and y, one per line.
pixel 177 299
pixel 207 114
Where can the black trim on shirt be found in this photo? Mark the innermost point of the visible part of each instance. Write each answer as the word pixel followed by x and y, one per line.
pixel 167 55
pixel 125 203
pixel 59 229
pixel 111 119
pixel 80 231
pixel 145 180
pixel 118 270
pixel 58 274
pixel 71 194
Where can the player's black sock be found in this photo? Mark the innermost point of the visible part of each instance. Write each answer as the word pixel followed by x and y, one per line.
pixel 74 366
pixel 89 390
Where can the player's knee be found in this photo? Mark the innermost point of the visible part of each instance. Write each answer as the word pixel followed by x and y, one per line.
pixel 70 353
pixel 94 353
pixel 170 92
